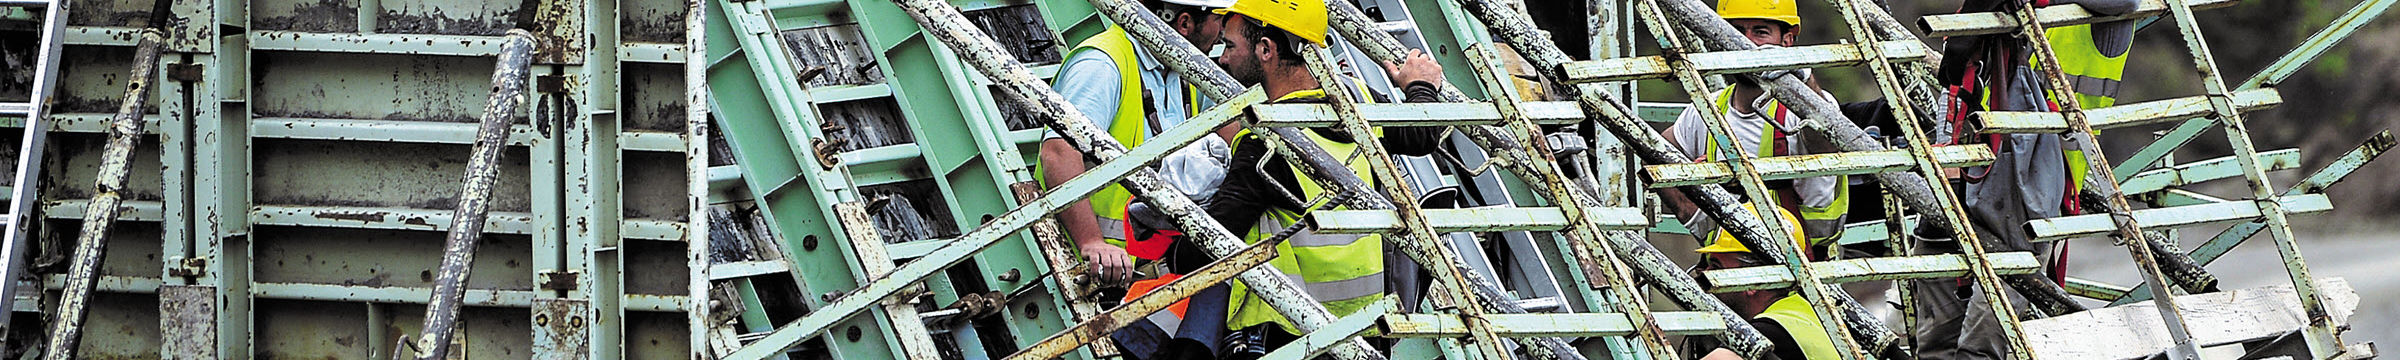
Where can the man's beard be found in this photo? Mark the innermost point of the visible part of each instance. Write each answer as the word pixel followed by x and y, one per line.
pixel 1247 73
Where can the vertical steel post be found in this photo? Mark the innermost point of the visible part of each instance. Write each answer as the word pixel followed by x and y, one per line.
pixel 467 221
pixel 116 161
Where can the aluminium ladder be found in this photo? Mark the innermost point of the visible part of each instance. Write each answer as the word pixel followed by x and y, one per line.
pixel 23 193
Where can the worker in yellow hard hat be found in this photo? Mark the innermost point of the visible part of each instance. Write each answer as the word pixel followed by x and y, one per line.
pixel 1760 126
pixel 1262 194
pixel 1781 315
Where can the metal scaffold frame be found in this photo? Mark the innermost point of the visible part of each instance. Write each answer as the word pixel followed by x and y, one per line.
pixel 232 194
pixel 789 158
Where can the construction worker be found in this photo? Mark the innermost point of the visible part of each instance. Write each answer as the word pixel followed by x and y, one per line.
pixel 1126 90
pixel 1263 194
pixel 1779 314
pixel 2032 176
pixel 1821 201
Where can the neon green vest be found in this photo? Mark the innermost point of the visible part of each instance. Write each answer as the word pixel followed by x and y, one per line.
pixel 1800 321
pixel 1343 272
pixel 1127 126
pixel 1820 222
pixel 2095 76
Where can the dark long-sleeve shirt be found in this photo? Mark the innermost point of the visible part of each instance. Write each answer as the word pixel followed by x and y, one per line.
pixel 1247 193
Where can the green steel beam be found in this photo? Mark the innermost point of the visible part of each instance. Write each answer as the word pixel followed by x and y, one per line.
pixel 1685 323
pixel 1414 114
pixel 1868 269
pixel 2203 171
pixel 1743 61
pixel 2127 115
pixel 1490 219
pixel 2065 227
pixel 1800 166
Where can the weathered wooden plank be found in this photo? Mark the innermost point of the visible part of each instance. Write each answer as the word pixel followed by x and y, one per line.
pixel 2135 331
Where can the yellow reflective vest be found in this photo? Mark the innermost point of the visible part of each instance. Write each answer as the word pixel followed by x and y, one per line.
pixel 1343 272
pixel 2095 77
pixel 1128 125
pixel 1822 223
pixel 1800 321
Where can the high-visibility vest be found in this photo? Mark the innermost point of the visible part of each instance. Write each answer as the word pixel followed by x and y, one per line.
pixel 1343 272
pixel 1820 222
pixel 1128 126
pixel 1800 321
pixel 2095 77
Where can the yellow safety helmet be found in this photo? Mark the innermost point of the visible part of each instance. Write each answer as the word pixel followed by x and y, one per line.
pixel 1305 18
pixel 1725 243
pixel 1779 10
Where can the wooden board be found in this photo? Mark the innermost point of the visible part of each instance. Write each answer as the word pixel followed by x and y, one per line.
pixel 2135 331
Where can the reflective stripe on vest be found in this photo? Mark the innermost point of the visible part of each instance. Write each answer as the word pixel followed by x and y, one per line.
pixel 2093 73
pixel 1800 321
pixel 1342 271
pixel 1819 222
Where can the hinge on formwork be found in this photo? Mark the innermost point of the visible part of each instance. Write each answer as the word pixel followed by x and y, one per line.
pixel 829 151
pixel 184 72
pixel 550 84
pixel 557 280
pixel 187 267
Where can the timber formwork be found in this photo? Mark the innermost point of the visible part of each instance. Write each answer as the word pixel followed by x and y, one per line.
pixel 845 120
pixel 298 161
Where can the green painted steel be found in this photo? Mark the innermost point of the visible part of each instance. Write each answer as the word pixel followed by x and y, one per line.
pixel 306 154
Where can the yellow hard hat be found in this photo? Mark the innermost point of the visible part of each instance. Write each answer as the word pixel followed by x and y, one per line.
pixel 1779 10
pixel 1305 18
pixel 1725 242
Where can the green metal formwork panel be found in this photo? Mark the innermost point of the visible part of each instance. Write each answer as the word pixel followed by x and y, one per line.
pixel 912 127
pixel 304 158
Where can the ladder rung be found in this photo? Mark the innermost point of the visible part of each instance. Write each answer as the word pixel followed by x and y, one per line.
pixel 1550 325
pixel 1475 220
pixel 1868 269
pixel 1721 62
pixel 2057 228
pixel 1800 166
pixel 16 109
pixel 25 3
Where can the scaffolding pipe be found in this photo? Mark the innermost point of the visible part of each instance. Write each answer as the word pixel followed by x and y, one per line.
pixel 474 198
pixel 99 216
pixel 945 23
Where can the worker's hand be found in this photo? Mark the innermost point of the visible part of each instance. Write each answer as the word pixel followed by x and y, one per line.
pixel 1416 66
pixel 1108 263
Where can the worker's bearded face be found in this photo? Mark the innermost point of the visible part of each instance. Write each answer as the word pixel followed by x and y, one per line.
pixel 1201 28
pixel 1766 32
pixel 1241 51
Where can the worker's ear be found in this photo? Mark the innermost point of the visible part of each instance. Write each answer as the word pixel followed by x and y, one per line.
pixel 1266 51
pixel 1183 21
pixel 1791 36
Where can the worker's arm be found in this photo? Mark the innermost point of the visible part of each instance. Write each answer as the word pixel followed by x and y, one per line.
pixel 1089 82
pixel 1420 79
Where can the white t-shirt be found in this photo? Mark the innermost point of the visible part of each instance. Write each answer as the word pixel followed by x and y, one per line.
pixel 1691 135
